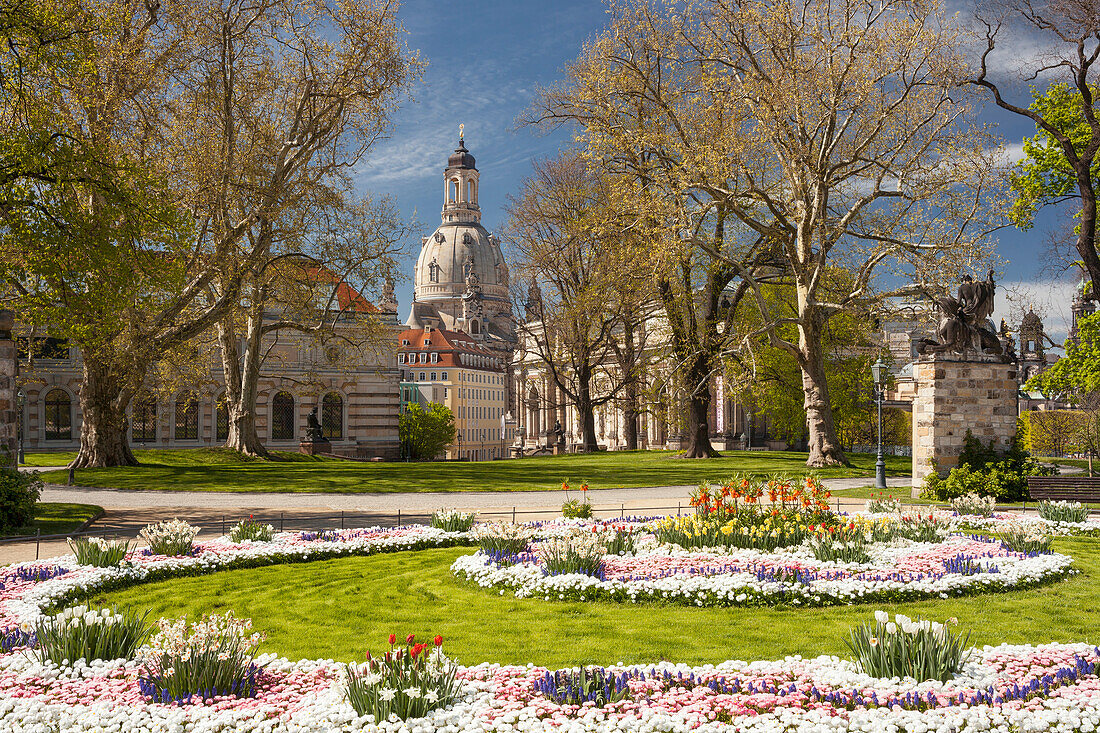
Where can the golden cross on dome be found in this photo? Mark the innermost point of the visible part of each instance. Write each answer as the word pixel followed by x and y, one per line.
pixel 460 131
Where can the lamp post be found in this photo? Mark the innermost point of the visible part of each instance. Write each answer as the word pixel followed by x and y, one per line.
pixel 22 400
pixel 880 464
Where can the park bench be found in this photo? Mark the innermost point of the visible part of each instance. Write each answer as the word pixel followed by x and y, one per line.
pixel 1084 489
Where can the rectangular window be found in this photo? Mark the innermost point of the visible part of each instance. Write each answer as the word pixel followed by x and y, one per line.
pixel 435 357
pixel 444 376
pixel 433 376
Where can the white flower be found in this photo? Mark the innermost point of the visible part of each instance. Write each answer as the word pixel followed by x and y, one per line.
pixel 412 692
pixel 387 693
pixel 882 617
pixel 431 696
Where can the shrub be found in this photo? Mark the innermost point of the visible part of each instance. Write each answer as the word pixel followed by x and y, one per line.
pixel 579 552
pixel 251 531
pixel 408 682
pixel 18 493
pixel 503 538
pixel 923 650
pixel 1024 538
pixel 169 538
pixel 214 657
pixel 99 552
pixel 452 520
pixel 594 685
pixel 883 503
pixel 1063 511
pixel 576 509
pixel 80 632
pixel 983 470
pixel 974 504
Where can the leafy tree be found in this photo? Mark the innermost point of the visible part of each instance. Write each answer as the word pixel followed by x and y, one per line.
pixel 426 432
pixel 1062 158
pixel 1077 374
pixel 213 120
pixel 1046 176
pixel 814 135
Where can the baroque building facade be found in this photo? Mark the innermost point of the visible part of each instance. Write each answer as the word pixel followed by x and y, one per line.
pixel 355 393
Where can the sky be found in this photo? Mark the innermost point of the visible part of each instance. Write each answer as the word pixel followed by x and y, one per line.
pixel 487 60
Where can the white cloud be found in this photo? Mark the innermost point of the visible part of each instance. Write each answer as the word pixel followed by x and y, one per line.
pixel 1050 299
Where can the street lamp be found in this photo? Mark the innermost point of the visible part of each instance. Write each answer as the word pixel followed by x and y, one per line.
pixel 22 399
pixel 880 464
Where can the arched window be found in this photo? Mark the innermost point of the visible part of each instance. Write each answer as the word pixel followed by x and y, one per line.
pixel 59 415
pixel 221 429
pixel 475 328
pixel 144 423
pixel 282 417
pixel 332 416
pixel 187 416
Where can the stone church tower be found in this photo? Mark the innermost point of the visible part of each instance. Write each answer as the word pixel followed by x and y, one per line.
pixel 461 280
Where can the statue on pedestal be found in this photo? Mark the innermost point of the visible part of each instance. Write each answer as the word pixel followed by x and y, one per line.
pixel 964 321
pixel 314 433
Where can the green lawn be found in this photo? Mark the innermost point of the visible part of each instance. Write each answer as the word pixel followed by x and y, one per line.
pixel 176 457
pixel 219 470
pixel 340 609
pixel 53 518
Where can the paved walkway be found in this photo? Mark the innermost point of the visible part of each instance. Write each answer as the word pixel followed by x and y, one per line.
pixel 128 511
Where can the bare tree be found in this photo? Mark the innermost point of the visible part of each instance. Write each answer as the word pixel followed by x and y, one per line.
pixel 312 284
pixel 583 315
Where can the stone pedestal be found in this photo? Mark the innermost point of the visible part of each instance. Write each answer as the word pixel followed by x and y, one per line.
pixel 314 447
pixel 9 415
pixel 954 395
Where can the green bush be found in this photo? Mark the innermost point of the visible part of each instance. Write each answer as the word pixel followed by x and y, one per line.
pixel 982 470
pixel 18 493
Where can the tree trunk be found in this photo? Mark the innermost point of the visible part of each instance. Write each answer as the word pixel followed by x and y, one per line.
pixel 824 446
pixel 698 426
pixel 242 387
pixel 587 414
pixel 104 398
pixel 1086 230
pixel 630 419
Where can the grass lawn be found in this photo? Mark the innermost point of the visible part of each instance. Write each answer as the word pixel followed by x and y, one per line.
pixel 219 470
pixel 339 609
pixel 54 518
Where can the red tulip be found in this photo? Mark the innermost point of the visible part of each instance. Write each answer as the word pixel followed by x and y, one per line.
pixel 393 639
pixel 409 638
pixel 438 640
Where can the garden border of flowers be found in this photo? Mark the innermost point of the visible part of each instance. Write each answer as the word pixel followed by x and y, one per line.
pixel 1005 686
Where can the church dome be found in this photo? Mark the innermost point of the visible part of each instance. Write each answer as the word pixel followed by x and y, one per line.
pixel 461 157
pixel 451 254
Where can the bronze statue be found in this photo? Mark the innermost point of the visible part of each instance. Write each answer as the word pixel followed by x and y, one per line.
pixel 314 432
pixel 964 321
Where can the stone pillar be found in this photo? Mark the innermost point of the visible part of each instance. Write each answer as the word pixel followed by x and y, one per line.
pixel 954 396
pixel 9 402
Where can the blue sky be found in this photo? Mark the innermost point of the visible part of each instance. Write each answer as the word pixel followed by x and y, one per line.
pixel 486 62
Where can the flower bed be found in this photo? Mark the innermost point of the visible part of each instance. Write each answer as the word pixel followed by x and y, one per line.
pixel 899 570
pixel 1052 687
